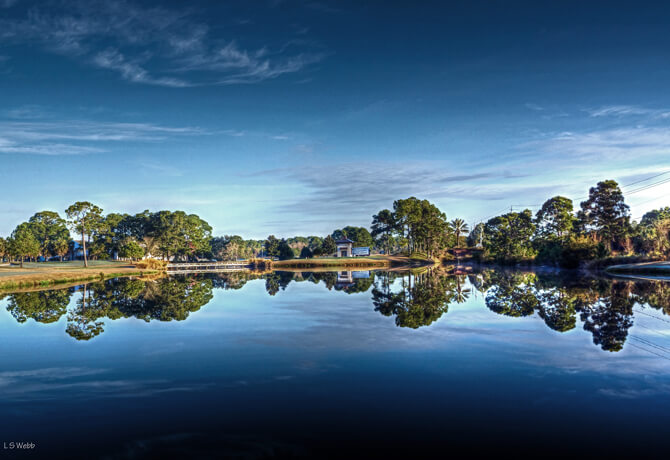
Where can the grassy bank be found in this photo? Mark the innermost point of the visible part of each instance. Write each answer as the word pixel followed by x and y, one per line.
pixel 57 273
pixel 352 262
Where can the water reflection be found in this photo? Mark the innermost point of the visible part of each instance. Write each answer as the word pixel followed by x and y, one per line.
pixel 603 307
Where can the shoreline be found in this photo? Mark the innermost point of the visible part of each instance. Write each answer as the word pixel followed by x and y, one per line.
pixel 36 275
pixel 47 276
pixel 358 262
pixel 641 269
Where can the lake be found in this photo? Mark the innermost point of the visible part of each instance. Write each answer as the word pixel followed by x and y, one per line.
pixel 340 364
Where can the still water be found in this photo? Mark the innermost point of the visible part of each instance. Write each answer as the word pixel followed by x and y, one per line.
pixel 341 364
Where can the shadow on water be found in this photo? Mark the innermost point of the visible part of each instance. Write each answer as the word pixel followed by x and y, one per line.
pixel 602 306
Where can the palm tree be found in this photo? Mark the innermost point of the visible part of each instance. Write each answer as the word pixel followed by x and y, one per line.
pixel 61 247
pixel 459 227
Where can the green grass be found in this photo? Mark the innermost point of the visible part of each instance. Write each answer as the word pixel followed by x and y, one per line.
pixel 67 264
pixel 45 274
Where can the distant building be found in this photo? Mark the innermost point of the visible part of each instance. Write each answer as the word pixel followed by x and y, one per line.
pixel 77 250
pixel 344 247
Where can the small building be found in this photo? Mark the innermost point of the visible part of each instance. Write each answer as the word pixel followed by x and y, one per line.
pixel 344 247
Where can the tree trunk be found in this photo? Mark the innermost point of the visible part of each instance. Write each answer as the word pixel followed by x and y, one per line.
pixel 83 244
pixel 21 261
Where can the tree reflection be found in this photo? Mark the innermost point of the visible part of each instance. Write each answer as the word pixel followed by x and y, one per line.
pixel 513 296
pixel 422 299
pixel 603 307
pixel 41 306
pixel 610 317
pixel 165 299
pixel 557 309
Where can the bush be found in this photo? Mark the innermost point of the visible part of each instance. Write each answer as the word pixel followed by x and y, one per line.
pixel 151 264
pixel 578 251
pixel 549 252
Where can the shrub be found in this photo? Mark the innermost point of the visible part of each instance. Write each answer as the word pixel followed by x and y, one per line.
pixel 579 250
pixel 151 264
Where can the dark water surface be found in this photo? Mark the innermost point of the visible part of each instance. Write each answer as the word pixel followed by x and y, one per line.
pixel 348 365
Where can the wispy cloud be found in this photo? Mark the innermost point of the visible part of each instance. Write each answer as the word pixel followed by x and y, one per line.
pixel 149 45
pixel 132 70
pixel 77 137
pixel 52 383
pixel 635 142
pixel 620 111
pixel 361 190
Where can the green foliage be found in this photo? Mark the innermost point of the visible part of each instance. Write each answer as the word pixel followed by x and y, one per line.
pixel 4 249
pixel 359 235
pixel 652 235
pixel 233 247
pixel 23 243
pixel 306 253
pixel 84 218
pixel 555 218
pixel 284 251
pixel 458 227
pixel 605 213
pixel 180 235
pixel 48 228
pixel 508 237
pixel 272 246
pixel 422 225
pixel 60 247
pixel 328 247
pixel 131 250
pixel 383 226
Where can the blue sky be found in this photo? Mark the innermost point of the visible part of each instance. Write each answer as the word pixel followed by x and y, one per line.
pixel 300 117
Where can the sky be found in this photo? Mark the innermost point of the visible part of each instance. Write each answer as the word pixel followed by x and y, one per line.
pixel 295 118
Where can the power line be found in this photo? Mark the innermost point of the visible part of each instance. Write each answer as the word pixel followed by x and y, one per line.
pixel 651 316
pixel 651 344
pixel 631 192
pixel 644 180
pixel 647 187
pixel 644 187
pixel 650 351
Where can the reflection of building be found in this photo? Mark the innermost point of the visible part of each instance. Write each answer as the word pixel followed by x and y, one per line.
pixel 344 247
pixel 345 278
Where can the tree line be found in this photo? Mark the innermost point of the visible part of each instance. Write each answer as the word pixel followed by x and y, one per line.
pixel 556 234
pixel 162 234
pixel 561 235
